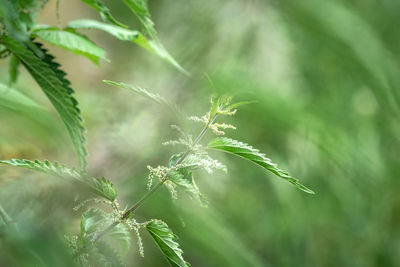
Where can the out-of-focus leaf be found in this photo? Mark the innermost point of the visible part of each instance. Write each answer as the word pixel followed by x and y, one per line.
pixel 14 99
pixel 185 181
pixel 102 252
pixel 118 32
pixel 101 187
pixel 123 34
pixel 91 222
pixel 4 217
pixel 139 8
pixel 247 152
pixel 52 81
pixel 143 92
pixel 13 69
pixel 166 241
pixel 71 40
pixel 103 11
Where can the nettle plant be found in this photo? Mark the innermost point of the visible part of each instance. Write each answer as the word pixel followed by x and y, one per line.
pixel 106 235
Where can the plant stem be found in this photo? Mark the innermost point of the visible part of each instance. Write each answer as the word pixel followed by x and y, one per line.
pixel 139 203
pixel 165 178
pixel 130 211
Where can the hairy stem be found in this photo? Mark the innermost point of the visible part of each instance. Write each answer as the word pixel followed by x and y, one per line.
pixel 130 211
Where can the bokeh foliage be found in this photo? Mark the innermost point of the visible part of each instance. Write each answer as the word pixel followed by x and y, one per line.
pixel 325 76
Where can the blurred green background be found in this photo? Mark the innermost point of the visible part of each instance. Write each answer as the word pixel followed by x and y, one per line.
pixel 326 78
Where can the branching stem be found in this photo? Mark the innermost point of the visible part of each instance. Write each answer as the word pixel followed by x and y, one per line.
pixel 130 211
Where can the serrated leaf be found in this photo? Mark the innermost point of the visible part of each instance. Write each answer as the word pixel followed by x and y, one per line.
pixel 166 241
pixel 103 252
pixel 71 40
pixel 185 181
pixel 141 91
pixel 247 152
pixel 13 65
pixel 139 8
pixel 91 221
pixel 103 11
pixel 127 35
pixel 53 83
pixel 101 187
pixel 191 161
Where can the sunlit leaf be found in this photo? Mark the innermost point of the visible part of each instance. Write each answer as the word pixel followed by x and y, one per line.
pixel 103 11
pixel 185 181
pixel 71 40
pixel 166 241
pixel 247 152
pixel 127 35
pixel 52 80
pixel 99 186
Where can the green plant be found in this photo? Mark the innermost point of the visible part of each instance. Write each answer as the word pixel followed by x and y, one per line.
pixel 104 236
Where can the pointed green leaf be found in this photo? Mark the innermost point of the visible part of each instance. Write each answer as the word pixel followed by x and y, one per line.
pixel 91 221
pixel 166 241
pixel 71 40
pixel 118 32
pixel 185 181
pixel 141 91
pixel 247 152
pixel 103 11
pixel 103 252
pixel 237 104
pixel 214 107
pixel 127 35
pixel 191 161
pixel 52 81
pixel 101 186
pixel 140 9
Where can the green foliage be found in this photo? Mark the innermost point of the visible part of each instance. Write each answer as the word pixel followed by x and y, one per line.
pixel 101 187
pixel 139 8
pixel 167 242
pixel 103 11
pixel 118 32
pixel 105 234
pixel 15 100
pixel 13 69
pixel 185 181
pixel 56 87
pixel 141 91
pixel 71 40
pixel 19 16
pixel 101 253
pixel 247 152
pixel 123 34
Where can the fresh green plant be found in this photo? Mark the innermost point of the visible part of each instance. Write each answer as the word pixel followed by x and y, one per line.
pixel 104 236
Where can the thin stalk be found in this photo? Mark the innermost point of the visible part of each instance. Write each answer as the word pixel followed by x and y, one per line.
pixel 157 186
pixel 139 203
pixel 165 178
